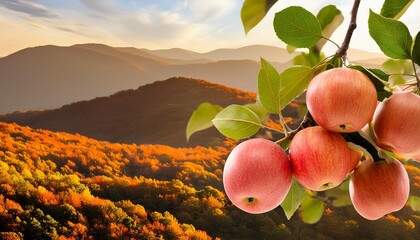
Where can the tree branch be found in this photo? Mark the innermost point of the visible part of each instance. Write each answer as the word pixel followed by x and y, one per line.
pixel 342 51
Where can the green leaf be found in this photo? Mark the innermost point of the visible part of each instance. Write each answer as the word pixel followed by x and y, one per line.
pixel 298 27
pixel 330 18
pixel 392 36
pixel 311 210
pixel 269 87
pixel 414 203
pixel 415 53
pixel 277 90
pixel 293 199
pixel 396 66
pixel 395 9
pixel 285 144
pixel 258 109
pixel 334 62
pixel 237 122
pixel 309 59
pixel 340 195
pixel 253 11
pixel 201 118
pixel 379 79
pixel 293 82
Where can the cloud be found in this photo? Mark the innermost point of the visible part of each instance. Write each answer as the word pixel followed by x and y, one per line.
pixel 157 27
pixel 36 24
pixel 104 7
pixel 203 10
pixel 74 31
pixel 28 7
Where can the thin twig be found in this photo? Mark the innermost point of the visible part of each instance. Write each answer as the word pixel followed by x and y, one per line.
pixel 417 78
pixel 342 51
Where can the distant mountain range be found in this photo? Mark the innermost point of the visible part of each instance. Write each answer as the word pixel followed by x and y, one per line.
pixel 48 77
pixel 156 113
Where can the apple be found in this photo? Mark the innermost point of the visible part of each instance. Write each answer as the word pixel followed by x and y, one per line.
pixel 396 124
pixel 257 175
pixel 379 188
pixel 320 158
pixel 341 99
pixel 355 157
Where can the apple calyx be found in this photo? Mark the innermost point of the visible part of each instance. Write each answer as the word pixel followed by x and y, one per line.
pixel 250 200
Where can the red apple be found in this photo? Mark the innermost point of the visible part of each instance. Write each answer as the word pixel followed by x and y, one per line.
pixel 355 157
pixel 320 159
pixel 257 175
pixel 396 124
pixel 379 188
pixel 341 99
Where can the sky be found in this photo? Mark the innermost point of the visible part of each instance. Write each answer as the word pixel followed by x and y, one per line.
pixel 197 25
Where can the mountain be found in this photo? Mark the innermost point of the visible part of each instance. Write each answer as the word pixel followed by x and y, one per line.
pixel 48 77
pixel 154 113
pixel 253 52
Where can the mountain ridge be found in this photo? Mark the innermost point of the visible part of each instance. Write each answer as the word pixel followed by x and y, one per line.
pixel 156 113
pixel 47 77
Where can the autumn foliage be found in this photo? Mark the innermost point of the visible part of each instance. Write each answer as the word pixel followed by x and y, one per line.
pixel 56 185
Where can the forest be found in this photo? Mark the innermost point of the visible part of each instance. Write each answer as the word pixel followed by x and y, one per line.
pixel 56 185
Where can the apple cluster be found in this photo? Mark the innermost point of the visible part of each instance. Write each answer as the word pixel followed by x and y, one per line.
pixel 258 173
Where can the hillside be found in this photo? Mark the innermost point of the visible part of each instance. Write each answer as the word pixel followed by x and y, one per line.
pixel 48 77
pixel 156 113
pixel 58 185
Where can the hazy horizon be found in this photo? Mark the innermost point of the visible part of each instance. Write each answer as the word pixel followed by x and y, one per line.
pixel 190 24
pixel 174 47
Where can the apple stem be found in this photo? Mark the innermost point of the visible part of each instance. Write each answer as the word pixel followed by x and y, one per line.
pixel 342 51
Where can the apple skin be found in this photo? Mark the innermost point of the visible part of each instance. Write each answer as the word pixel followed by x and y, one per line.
pixel 379 188
pixel 355 157
pixel 257 175
pixel 320 158
pixel 396 124
pixel 341 99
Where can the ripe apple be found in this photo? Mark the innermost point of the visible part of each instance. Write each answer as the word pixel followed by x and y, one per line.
pixel 355 157
pixel 379 188
pixel 257 175
pixel 396 124
pixel 320 158
pixel 341 99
